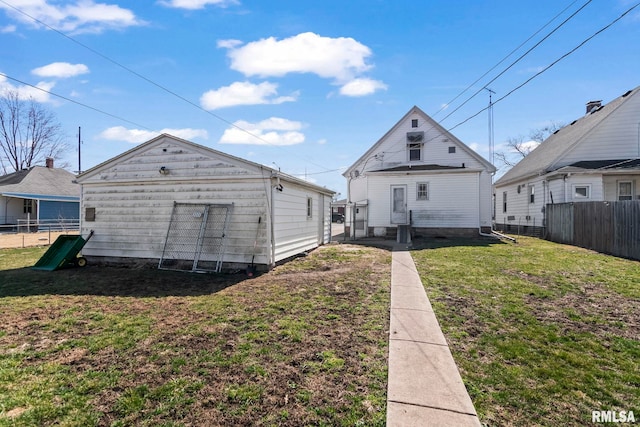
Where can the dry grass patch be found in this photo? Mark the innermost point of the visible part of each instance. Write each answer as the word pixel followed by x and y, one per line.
pixel 305 344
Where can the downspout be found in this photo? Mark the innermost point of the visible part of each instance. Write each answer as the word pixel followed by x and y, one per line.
pixel 351 210
pixel 272 260
pixel 480 232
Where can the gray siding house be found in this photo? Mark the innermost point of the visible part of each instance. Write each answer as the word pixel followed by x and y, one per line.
pixel 40 195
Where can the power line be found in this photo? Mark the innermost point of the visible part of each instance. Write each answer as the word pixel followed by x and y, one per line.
pixel 505 58
pixel 519 58
pixel 73 101
pixel 148 80
pixel 585 41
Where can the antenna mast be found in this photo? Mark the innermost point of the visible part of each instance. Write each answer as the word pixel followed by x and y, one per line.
pixel 490 111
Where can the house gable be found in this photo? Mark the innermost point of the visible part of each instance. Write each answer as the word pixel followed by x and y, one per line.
pixel 616 137
pixel 417 140
pixel 172 158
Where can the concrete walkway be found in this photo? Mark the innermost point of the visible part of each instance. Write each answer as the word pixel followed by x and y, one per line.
pixel 424 387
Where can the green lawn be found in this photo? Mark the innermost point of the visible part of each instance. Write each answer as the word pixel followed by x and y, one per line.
pixel 305 344
pixel 543 333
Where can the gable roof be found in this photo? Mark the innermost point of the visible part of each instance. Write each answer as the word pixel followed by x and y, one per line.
pixel 40 182
pixel 543 158
pixel 237 161
pixel 435 125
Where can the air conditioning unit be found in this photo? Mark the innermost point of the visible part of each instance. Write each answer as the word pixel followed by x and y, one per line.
pixel 415 136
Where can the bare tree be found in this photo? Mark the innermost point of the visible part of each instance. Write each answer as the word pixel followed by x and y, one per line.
pixel 28 133
pixel 519 147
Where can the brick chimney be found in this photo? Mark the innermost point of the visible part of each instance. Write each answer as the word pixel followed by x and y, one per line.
pixel 49 162
pixel 592 105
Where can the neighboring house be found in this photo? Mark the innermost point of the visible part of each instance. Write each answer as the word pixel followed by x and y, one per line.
pixel 40 195
pixel 594 158
pixel 188 207
pixel 419 175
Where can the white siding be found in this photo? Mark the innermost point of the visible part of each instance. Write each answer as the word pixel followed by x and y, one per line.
pixel 393 150
pixel 132 219
pixel 559 190
pixel 519 205
pixel 294 231
pixel 611 186
pixel 133 203
pixel 453 200
pixel 615 138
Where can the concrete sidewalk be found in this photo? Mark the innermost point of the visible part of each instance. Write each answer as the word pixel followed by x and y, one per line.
pixel 424 386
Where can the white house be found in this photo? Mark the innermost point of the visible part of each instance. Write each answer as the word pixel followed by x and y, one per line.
pixel 41 196
pixel 419 176
pixel 185 206
pixel 594 158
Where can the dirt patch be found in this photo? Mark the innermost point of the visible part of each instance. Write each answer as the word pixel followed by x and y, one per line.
pixel 305 344
pixel 592 309
pixel 25 240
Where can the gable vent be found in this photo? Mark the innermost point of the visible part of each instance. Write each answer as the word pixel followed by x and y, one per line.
pixel 415 136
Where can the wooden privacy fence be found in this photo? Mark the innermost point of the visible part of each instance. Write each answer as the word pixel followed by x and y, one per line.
pixel 608 227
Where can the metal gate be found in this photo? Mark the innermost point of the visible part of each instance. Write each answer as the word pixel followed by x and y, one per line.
pixel 196 237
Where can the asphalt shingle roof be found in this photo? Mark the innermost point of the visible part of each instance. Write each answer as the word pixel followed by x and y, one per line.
pixel 542 159
pixel 40 180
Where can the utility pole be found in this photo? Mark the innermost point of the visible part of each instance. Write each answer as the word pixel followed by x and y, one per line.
pixel 490 111
pixel 79 156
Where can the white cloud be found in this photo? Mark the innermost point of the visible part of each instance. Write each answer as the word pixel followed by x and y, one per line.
pixel 361 87
pixel 341 58
pixel 39 93
pixel 244 93
pixel 8 29
pixel 60 70
pixel 272 131
pixel 228 44
pixel 83 16
pixel 136 136
pixel 197 4
pixel 528 146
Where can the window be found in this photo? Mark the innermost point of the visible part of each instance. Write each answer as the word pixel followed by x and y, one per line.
pixel 532 193
pixel 90 214
pixel 625 190
pixel 414 123
pixel 27 206
pixel 309 207
pixel 581 192
pixel 504 202
pixel 422 191
pixel 452 150
pixel 415 152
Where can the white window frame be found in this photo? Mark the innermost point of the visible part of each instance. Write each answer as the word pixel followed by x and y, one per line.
pixel 504 202
pixel 577 196
pixel 630 195
pixel 414 146
pixel 531 193
pixel 309 207
pixel 422 195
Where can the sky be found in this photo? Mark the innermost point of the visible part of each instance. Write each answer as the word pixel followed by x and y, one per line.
pixel 308 86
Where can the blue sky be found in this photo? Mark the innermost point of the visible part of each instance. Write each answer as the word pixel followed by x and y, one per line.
pixel 318 83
